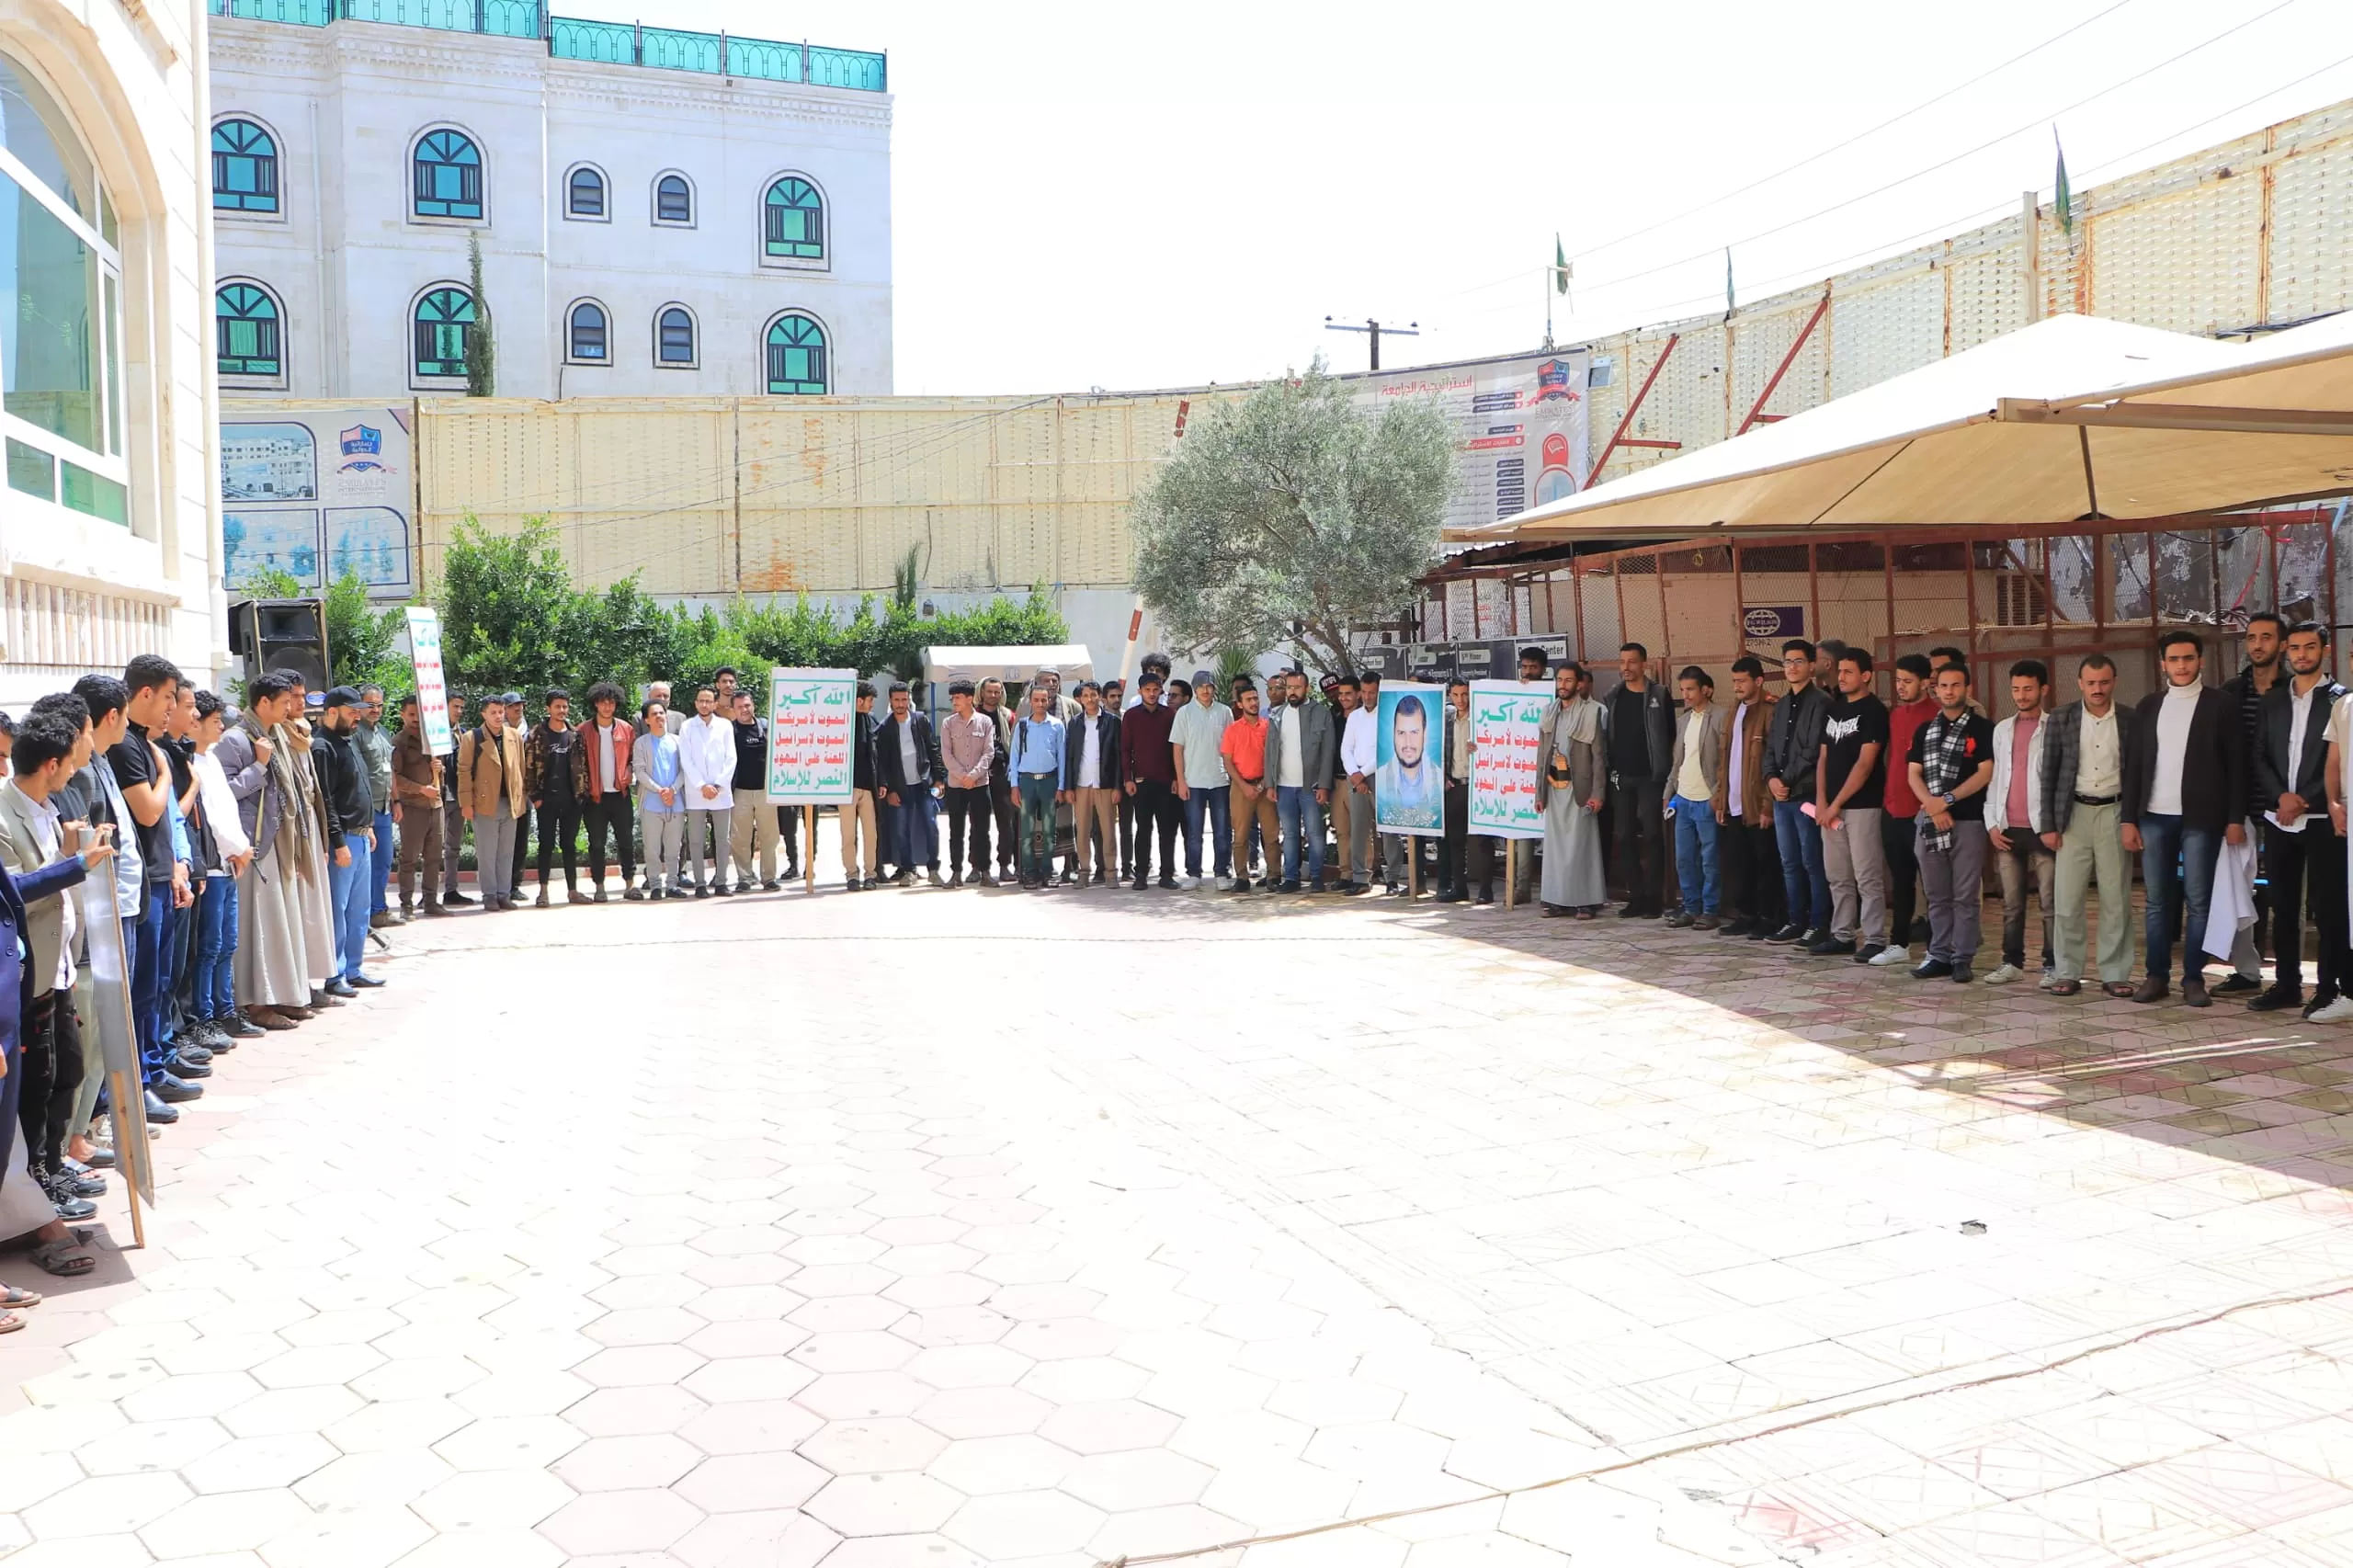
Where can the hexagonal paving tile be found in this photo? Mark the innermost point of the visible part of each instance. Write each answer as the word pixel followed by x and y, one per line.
pixel 258 1464
pixel 1023 1524
pixel 377 1478
pixel 613 1464
pixel 638 1520
pixel 1107 1425
pixel 493 1500
pixel 510 1442
pixel 884 1505
pixel 744 1482
pixel 872 1444
pixel 1135 1478
pixel 1018 1462
pixel 756 1426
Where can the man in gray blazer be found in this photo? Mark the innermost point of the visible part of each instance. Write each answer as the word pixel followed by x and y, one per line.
pixel 1300 752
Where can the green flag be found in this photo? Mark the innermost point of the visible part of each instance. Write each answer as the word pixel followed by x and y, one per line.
pixel 1560 268
pixel 2063 204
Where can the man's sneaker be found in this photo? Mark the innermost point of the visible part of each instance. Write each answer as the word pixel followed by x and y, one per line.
pixel 2277 998
pixel 1808 938
pixel 1225 884
pixel 238 1026
pixel 1962 974
pixel 2338 1011
pixel 1933 968
pixel 1703 923
pixel 1289 884
pixel 76 1183
pixel 2320 999
pixel 363 980
pixel 187 1051
pixel 340 988
pixel 1869 953
pixel 1678 920
pixel 705 893
pixel 457 898
pixel 1826 948
pixel 1734 928
pixel 174 1091
pixel 2005 973
pixel 630 895
pixel 180 1066
pixel 1791 932
pixel 1888 957
pixel 2236 985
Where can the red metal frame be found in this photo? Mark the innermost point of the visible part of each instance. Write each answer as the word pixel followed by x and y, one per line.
pixel 1756 411
pixel 1617 437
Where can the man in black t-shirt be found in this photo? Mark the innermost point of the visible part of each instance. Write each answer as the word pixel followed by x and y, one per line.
pixel 1641 747
pixel 1952 763
pixel 140 772
pixel 547 778
pixel 1851 785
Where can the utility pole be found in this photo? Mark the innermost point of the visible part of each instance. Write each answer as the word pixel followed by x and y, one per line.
pixel 1411 329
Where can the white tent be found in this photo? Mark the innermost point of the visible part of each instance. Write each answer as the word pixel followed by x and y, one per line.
pixel 2070 419
pixel 1013 664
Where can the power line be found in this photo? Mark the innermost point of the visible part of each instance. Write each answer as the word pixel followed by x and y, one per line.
pixel 2034 124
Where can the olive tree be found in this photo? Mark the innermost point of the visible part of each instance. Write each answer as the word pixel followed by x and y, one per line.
pixel 1290 514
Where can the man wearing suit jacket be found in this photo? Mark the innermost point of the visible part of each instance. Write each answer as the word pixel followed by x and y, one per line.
pixel 1300 752
pixel 2290 765
pixel 2185 788
pixel 906 765
pixel 2085 748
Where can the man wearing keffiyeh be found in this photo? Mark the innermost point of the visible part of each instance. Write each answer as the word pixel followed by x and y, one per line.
pixel 1952 763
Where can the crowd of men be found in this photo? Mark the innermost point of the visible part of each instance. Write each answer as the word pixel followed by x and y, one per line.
pixel 253 852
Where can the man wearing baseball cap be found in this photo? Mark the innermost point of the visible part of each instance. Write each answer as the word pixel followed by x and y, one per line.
pixel 351 816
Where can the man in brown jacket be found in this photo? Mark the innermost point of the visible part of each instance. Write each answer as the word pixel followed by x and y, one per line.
pixel 417 807
pixel 1750 860
pixel 490 792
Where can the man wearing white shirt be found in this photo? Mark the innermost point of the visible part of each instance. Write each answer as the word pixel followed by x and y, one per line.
pixel 2290 756
pixel 1203 786
pixel 1360 759
pixel 2185 790
pixel 706 765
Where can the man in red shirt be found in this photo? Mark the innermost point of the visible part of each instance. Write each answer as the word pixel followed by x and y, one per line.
pixel 1253 794
pixel 1148 766
pixel 1915 704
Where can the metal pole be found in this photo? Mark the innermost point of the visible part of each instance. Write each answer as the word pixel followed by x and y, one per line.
pixel 1376 343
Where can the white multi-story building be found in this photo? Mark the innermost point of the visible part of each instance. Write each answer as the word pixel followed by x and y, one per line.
pixel 109 532
pixel 658 212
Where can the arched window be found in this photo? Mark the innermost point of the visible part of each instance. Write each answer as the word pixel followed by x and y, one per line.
pixel 444 321
pixel 587 332
pixel 674 337
pixel 247 336
pixel 448 169
pixel 673 200
pixel 793 221
pixel 244 167
pixel 796 356
pixel 584 193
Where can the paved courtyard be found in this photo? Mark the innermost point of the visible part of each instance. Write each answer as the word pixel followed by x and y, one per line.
pixel 929 1229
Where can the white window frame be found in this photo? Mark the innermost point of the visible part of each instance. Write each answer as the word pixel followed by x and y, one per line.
pixel 653 201
pixel 693 320
pixel 113 466
pixel 568 357
pixel 416 220
pixel 563 194
pixel 760 228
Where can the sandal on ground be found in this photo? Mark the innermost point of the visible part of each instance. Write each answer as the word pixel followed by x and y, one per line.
pixel 10 1323
pixel 11 1296
pixel 66 1259
pixel 2118 988
pixel 2065 988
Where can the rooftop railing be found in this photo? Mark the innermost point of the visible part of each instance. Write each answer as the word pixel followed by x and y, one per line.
pixel 608 43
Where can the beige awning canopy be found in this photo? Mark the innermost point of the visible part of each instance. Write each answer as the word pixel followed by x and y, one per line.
pixel 2068 420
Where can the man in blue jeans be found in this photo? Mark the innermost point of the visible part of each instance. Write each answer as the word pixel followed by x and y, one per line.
pixel 1693 783
pixel 1038 738
pixel 375 746
pixel 2185 797
pixel 351 833
pixel 1202 781
pixel 1792 759
pixel 1302 748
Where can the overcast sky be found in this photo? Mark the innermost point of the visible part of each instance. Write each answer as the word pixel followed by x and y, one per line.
pixel 1138 196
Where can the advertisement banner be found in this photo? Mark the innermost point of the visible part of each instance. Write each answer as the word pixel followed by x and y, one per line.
pixel 1522 434
pixel 811 717
pixel 1409 780
pixel 318 492
pixel 432 691
pixel 1506 723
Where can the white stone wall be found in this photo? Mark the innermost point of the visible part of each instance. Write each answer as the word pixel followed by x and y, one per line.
pixel 346 259
pixel 80 593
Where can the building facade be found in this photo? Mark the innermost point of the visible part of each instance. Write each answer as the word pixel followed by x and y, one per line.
pixel 657 212
pixel 109 531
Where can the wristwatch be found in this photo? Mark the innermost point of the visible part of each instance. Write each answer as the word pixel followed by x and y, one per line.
pixel 1947 798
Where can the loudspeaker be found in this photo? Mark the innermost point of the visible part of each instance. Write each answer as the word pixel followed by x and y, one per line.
pixel 281 634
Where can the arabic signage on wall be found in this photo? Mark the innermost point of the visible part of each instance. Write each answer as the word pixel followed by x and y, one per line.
pixel 1521 423
pixel 315 493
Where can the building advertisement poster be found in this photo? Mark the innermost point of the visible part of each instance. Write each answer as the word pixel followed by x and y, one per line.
pixel 315 493
pixel 811 716
pixel 1506 723
pixel 1409 776
pixel 1521 422
pixel 432 690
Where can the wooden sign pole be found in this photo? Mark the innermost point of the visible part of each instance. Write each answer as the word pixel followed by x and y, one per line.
pixel 1511 870
pixel 808 849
